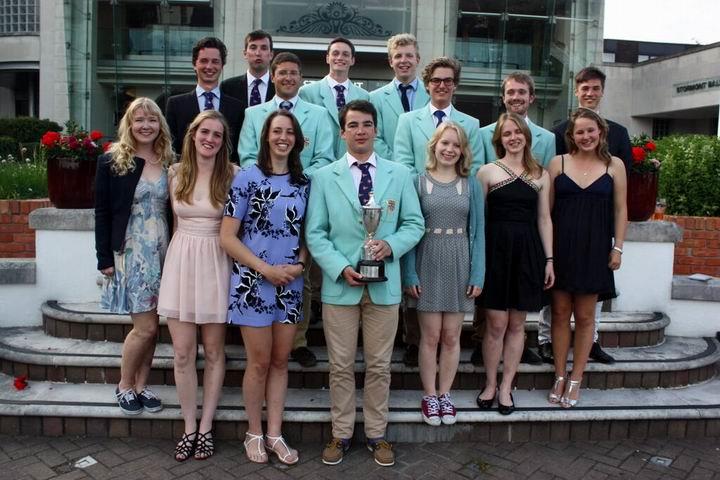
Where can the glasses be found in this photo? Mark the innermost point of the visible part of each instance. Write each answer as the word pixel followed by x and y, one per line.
pixel 449 81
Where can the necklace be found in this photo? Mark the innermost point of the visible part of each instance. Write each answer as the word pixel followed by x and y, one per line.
pixel 155 162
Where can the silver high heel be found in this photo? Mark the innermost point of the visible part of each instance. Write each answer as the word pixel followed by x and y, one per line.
pixel 565 400
pixel 555 397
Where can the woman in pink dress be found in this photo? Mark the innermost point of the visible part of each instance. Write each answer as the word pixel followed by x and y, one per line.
pixel 195 282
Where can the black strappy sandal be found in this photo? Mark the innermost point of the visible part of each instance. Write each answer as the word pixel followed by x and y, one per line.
pixel 185 448
pixel 204 446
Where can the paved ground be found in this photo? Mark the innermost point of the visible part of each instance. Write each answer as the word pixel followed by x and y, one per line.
pixel 35 458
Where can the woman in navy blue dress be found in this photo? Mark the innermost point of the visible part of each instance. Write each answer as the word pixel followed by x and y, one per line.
pixel 266 206
pixel 589 216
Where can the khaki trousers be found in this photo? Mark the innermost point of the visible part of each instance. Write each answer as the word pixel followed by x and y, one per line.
pixel 312 279
pixel 341 324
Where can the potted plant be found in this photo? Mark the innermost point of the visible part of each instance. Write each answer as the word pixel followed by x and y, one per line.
pixel 71 162
pixel 642 179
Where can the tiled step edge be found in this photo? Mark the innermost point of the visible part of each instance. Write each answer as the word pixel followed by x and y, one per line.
pixel 51 409
pixel 619 329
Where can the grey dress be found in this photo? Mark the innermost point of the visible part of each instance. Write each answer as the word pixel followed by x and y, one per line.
pixel 443 255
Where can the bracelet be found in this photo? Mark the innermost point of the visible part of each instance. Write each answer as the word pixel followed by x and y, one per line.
pixel 618 249
pixel 549 259
pixel 300 262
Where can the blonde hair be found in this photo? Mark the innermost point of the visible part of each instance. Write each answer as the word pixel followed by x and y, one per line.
pixel 462 166
pixel 401 40
pixel 529 163
pixel 187 170
pixel 122 152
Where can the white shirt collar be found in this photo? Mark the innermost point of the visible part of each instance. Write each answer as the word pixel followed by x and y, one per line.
pixel 265 78
pixel 199 91
pixel 332 82
pixel 293 100
pixel 447 110
pixel 372 160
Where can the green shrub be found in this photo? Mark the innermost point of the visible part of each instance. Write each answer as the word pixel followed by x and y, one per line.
pixel 23 179
pixel 8 146
pixel 690 174
pixel 27 129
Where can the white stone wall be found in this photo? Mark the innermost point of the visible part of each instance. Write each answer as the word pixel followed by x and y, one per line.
pixel 53 63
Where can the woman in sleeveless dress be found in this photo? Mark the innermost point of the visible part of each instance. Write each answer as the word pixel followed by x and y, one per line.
pixel 131 237
pixel 519 254
pixel 194 288
pixel 445 271
pixel 589 211
pixel 266 207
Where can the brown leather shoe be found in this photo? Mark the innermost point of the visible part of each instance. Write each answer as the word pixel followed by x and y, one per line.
pixel 382 452
pixel 335 451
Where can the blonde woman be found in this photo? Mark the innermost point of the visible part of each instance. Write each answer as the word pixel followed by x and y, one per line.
pixel 519 249
pixel 195 283
pixel 131 237
pixel 445 272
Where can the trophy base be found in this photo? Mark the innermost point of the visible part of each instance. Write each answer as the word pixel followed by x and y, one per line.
pixel 372 271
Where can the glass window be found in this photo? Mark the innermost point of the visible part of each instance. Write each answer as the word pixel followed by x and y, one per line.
pixel 355 19
pixel 19 17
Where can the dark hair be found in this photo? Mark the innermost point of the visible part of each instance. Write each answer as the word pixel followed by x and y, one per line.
pixel 441 62
pixel 294 164
pixel 209 42
pixel 529 163
pixel 590 73
pixel 602 149
pixel 363 106
pixel 258 35
pixel 341 40
pixel 285 57
pixel 519 77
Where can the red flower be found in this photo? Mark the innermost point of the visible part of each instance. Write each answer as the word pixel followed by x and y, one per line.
pixel 106 146
pixel 20 382
pixel 50 139
pixel 650 146
pixel 96 135
pixel 638 154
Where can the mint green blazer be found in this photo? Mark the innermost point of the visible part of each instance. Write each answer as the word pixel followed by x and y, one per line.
pixel 319 93
pixel 415 129
pixel 387 103
pixel 334 231
pixel 316 129
pixel 543 143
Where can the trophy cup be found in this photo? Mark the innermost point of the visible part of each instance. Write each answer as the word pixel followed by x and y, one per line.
pixel 371 270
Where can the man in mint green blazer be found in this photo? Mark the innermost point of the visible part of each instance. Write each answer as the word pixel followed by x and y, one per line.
pixel 441 77
pixel 335 89
pixel 518 94
pixel 286 74
pixel 403 94
pixel 335 235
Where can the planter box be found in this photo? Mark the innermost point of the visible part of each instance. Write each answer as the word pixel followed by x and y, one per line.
pixel 17 239
pixel 699 250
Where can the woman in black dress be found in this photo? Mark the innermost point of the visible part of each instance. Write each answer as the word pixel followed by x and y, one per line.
pixel 518 240
pixel 589 211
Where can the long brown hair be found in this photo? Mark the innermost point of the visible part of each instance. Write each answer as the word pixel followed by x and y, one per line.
pixel 462 166
pixel 602 149
pixel 529 163
pixel 187 172
pixel 294 164
pixel 123 150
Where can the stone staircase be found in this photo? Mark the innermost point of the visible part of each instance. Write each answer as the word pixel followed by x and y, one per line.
pixel 660 385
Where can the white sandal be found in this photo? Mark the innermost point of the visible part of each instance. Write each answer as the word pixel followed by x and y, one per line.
pixel 250 437
pixel 283 458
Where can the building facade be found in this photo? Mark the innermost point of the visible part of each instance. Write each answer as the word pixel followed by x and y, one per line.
pixel 93 57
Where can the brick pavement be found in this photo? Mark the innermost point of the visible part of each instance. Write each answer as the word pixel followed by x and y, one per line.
pixel 40 458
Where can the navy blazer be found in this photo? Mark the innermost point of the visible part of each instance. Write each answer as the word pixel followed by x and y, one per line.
pixel 618 141
pixel 113 200
pixel 182 109
pixel 237 87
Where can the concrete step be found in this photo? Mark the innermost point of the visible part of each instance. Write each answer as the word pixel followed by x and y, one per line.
pixel 89 409
pixel 87 321
pixel 678 361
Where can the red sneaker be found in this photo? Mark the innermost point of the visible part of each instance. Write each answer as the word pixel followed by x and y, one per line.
pixel 431 410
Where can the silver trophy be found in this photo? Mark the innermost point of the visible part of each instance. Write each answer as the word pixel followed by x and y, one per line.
pixel 371 270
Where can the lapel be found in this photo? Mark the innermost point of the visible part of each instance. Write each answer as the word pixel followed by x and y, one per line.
pixel 424 120
pixel 344 180
pixel 421 96
pixel 301 111
pixel 243 90
pixel 393 99
pixel 270 91
pixel 193 107
pixel 353 93
pixel 534 130
pixel 382 180
pixel 328 100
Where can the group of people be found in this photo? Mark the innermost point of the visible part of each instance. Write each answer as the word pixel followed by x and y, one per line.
pixel 487 219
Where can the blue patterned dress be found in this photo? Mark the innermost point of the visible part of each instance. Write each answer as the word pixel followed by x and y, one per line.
pixel 134 286
pixel 272 211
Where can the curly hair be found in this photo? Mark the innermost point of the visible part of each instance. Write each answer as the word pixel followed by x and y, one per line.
pixel 602 149
pixel 122 151
pixel 441 62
